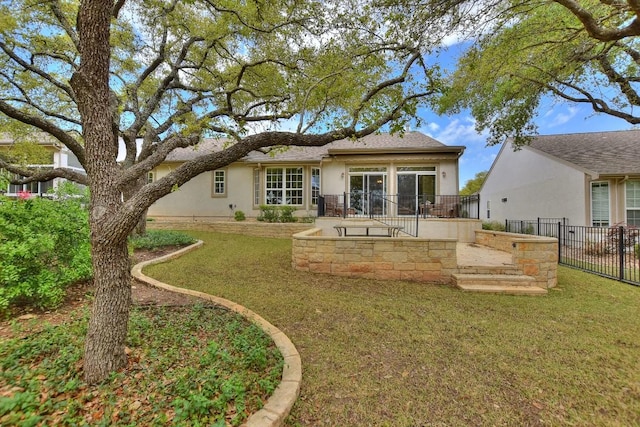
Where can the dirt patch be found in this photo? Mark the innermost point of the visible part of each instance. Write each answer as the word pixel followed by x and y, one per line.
pixel 80 295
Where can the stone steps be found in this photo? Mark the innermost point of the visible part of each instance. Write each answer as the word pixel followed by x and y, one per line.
pixel 515 284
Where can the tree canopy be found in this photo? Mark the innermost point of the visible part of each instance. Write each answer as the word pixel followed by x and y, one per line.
pixel 577 51
pixel 474 184
pixel 163 74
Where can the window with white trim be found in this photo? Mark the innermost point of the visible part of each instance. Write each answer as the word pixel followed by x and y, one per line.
pixel 256 187
pixel 219 183
pixel 32 187
pixel 632 199
pixel 284 186
pixel 315 186
pixel 600 204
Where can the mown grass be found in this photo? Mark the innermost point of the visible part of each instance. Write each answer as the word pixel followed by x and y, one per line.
pixel 188 366
pixel 408 354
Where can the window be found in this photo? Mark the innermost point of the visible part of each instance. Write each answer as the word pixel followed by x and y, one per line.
pixel 32 187
pixel 367 190
pixel 315 186
pixel 632 189
pixel 256 187
pixel 219 183
pixel 600 204
pixel 151 177
pixel 283 186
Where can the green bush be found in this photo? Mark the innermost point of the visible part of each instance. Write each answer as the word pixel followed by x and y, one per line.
pixel 44 246
pixel 155 239
pixel 269 213
pixel 239 216
pixel 493 225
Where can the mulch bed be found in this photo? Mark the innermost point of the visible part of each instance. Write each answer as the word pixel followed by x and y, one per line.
pixel 79 295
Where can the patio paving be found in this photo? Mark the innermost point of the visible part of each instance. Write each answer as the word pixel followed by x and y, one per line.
pixel 471 254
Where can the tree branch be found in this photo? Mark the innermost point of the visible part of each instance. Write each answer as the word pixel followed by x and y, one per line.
pixel 40 175
pixel 45 126
pixel 593 27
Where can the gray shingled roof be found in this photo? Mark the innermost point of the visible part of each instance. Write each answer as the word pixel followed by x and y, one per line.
pixel 607 153
pixel 381 143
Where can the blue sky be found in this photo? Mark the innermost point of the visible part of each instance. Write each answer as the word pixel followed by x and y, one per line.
pixel 554 118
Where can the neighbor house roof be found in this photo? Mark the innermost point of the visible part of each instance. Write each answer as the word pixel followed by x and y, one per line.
pixel 414 142
pixel 606 153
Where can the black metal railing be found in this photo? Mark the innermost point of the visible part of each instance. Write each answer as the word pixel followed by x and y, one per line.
pixel 397 209
pixel 612 252
pixel 539 226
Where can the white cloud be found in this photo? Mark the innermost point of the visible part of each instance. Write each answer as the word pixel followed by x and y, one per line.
pixel 555 118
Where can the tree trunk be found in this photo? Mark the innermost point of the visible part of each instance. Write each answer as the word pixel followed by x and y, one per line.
pixel 104 345
pixel 141 227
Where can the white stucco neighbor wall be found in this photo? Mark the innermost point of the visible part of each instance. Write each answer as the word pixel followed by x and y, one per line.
pixel 527 184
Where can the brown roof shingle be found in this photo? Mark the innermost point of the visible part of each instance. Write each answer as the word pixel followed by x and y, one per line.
pixel 376 142
pixel 607 153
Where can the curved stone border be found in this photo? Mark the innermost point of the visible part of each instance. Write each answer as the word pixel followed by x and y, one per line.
pixel 280 403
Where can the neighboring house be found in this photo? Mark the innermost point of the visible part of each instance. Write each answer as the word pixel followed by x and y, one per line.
pixel 301 177
pixel 57 156
pixel 592 179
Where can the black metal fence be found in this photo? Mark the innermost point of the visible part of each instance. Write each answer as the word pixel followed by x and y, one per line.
pixel 398 210
pixel 612 252
pixel 539 226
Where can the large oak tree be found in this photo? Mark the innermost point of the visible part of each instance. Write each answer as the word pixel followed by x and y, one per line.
pixel 578 51
pixel 163 74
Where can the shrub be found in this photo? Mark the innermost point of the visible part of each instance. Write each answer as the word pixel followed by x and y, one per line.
pixel 239 216
pixel 44 246
pixel 493 225
pixel 269 213
pixel 155 239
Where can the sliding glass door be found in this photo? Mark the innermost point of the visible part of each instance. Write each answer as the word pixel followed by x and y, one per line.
pixel 367 191
pixel 416 186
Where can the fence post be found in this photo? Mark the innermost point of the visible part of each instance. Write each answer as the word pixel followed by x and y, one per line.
pixel 559 242
pixel 344 204
pixel 538 233
pixel 506 225
pixel 621 250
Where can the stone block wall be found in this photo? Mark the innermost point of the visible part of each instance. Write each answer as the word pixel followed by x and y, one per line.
pixel 535 256
pixel 249 227
pixel 382 258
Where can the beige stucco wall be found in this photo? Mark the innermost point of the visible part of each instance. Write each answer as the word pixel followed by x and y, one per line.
pixel 534 185
pixel 194 199
pixel 460 229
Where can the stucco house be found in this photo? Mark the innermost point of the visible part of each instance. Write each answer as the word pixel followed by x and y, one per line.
pixel 591 179
pixel 55 155
pixel 302 177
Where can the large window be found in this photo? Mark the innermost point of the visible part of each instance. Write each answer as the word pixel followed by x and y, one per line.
pixel 219 183
pixel 633 202
pixel 600 204
pixel 315 186
pixel 284 186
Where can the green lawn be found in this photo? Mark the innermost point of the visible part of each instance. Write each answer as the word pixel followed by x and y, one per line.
pixel 408 354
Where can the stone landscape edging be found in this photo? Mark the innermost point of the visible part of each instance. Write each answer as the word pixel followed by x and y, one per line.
pixel 280 403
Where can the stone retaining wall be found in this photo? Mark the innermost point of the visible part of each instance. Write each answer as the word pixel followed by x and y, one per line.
pixel 535 256
pixel 249 228
pixel 375 257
